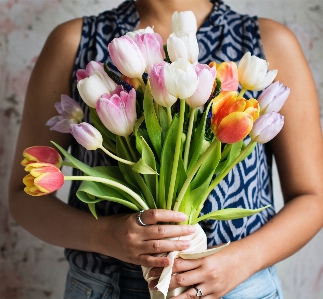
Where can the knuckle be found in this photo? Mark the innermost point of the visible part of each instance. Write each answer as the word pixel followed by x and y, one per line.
pixel 190 296
pixel 153 214
pixel 147 260
pixel 180 280
pixel 160 230
pixel 156 246
pixel 177 264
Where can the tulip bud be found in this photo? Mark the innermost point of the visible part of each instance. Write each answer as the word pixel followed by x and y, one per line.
pixel 183 45
pixel 93 87
pixel 273 97
pixel 151 47
pixel 206 76
pixel 227 72
pixel 118 112
pixel 70 113
pixel 266 127
pixel 253 73
pixel 44 178
pixel 87 136
pixel 127 57
pixel 132 34
pixel 41 154
pixel 184 21
pixel 158 88
pixel 180 79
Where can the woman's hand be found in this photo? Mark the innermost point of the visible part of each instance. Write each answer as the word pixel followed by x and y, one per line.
pixel 123 237
pixel 216 275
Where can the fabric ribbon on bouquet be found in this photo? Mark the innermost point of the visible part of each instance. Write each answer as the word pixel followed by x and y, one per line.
pixel 197 249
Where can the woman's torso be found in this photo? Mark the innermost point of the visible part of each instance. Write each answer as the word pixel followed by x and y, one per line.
pixel 224 36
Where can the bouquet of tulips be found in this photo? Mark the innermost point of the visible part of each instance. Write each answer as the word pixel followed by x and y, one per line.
pixel 175 126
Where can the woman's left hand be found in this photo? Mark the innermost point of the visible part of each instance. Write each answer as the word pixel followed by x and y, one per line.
pixel 215 275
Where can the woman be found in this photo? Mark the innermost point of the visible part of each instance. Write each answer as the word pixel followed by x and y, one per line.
pixel 102 252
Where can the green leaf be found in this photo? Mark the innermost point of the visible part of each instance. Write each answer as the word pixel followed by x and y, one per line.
pixel 137 133
pixel 153 128
pixel 163 119
pixel 230 214
pixel 93 192
pixel 143 168
pixel 92 209
pixel 167 157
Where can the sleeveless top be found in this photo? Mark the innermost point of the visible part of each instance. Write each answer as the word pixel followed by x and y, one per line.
pixel 225 35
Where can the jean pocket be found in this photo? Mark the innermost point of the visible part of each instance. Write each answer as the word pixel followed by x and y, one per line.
pixel 77 290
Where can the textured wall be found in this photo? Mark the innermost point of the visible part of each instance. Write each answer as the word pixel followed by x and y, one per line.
pixel 31 269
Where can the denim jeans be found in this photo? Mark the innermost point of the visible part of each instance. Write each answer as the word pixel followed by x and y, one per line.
pixel 129 284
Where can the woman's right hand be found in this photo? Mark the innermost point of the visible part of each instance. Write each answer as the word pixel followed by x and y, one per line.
pixel 123 237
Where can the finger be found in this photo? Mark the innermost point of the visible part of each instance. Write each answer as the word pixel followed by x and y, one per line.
pixel 181 265
pixel 162 231
pixel 156 272
pixel 163 246
pixel 153 216
pixel 199 292
pixel 186 279
pixel 154 262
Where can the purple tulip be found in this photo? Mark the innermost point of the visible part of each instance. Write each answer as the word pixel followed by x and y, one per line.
pixel 151 47
pixel 266 127
pixel 206 76
pixel 70 112
pixel 273 98
pixel 118 112
pixel 127 57
pixel 158 88
pixel 87 136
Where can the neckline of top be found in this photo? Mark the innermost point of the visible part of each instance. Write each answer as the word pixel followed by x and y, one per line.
pixel 130 21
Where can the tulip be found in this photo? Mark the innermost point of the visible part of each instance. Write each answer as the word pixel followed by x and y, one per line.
pixel 266 127
pixel 151 47
pixel 158 88
pixel 232 117
pixel 87 136
pixel 41 154
pixel 206 76
pixel 183 45
pixel 227 72
pixel 253 73
pixel 44 178
pixel 184 21
pixel 180 79
pixel 118 112
pixel 132 34
pixel 70 113
pixel 91 67
pixel 127 57
pixel 93 87
pixel 273 97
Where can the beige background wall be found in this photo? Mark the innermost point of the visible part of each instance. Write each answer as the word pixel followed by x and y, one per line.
pixel 31 269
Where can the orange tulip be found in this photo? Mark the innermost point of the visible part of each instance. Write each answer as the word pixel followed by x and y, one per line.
pixel 41 154
pixel 43 179
pixel 233 116
pixel 227 72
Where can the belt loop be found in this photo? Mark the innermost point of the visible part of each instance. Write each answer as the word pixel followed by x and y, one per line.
pixel 115 283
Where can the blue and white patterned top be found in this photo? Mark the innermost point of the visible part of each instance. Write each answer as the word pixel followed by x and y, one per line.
pixel 225 35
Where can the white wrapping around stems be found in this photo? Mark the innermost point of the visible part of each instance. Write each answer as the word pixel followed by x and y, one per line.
pixel 197 249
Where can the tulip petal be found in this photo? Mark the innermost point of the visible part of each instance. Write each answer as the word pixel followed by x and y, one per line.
pixel 234 127
pixel 41 154
pixel 227 72
pixel 49 182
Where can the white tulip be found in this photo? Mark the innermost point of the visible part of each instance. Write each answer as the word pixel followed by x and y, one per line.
pixel 184 21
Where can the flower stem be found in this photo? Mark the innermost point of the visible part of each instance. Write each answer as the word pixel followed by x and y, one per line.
pixel 189 136
pixel 191 175
pixel 120 186
pixel 132 153
pixel 142 84
pixel 116 157
pixel 242 92
pixel 220 177
pixel 169 114
pixel 176 155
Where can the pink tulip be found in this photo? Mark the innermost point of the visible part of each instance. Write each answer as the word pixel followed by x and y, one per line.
pixel 151 47
pixel 87 136
pixel 91 67
pixel 132 34
pixel 44 178
pixel 273 97
pixel 118 112
pixel 158 88
pixel 206 76
pixel 70 113
pixel 41 154
pixel 127 57
pixel 266 127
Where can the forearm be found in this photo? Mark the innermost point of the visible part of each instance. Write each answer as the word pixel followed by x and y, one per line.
pixel 286 233
pixel 53 221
